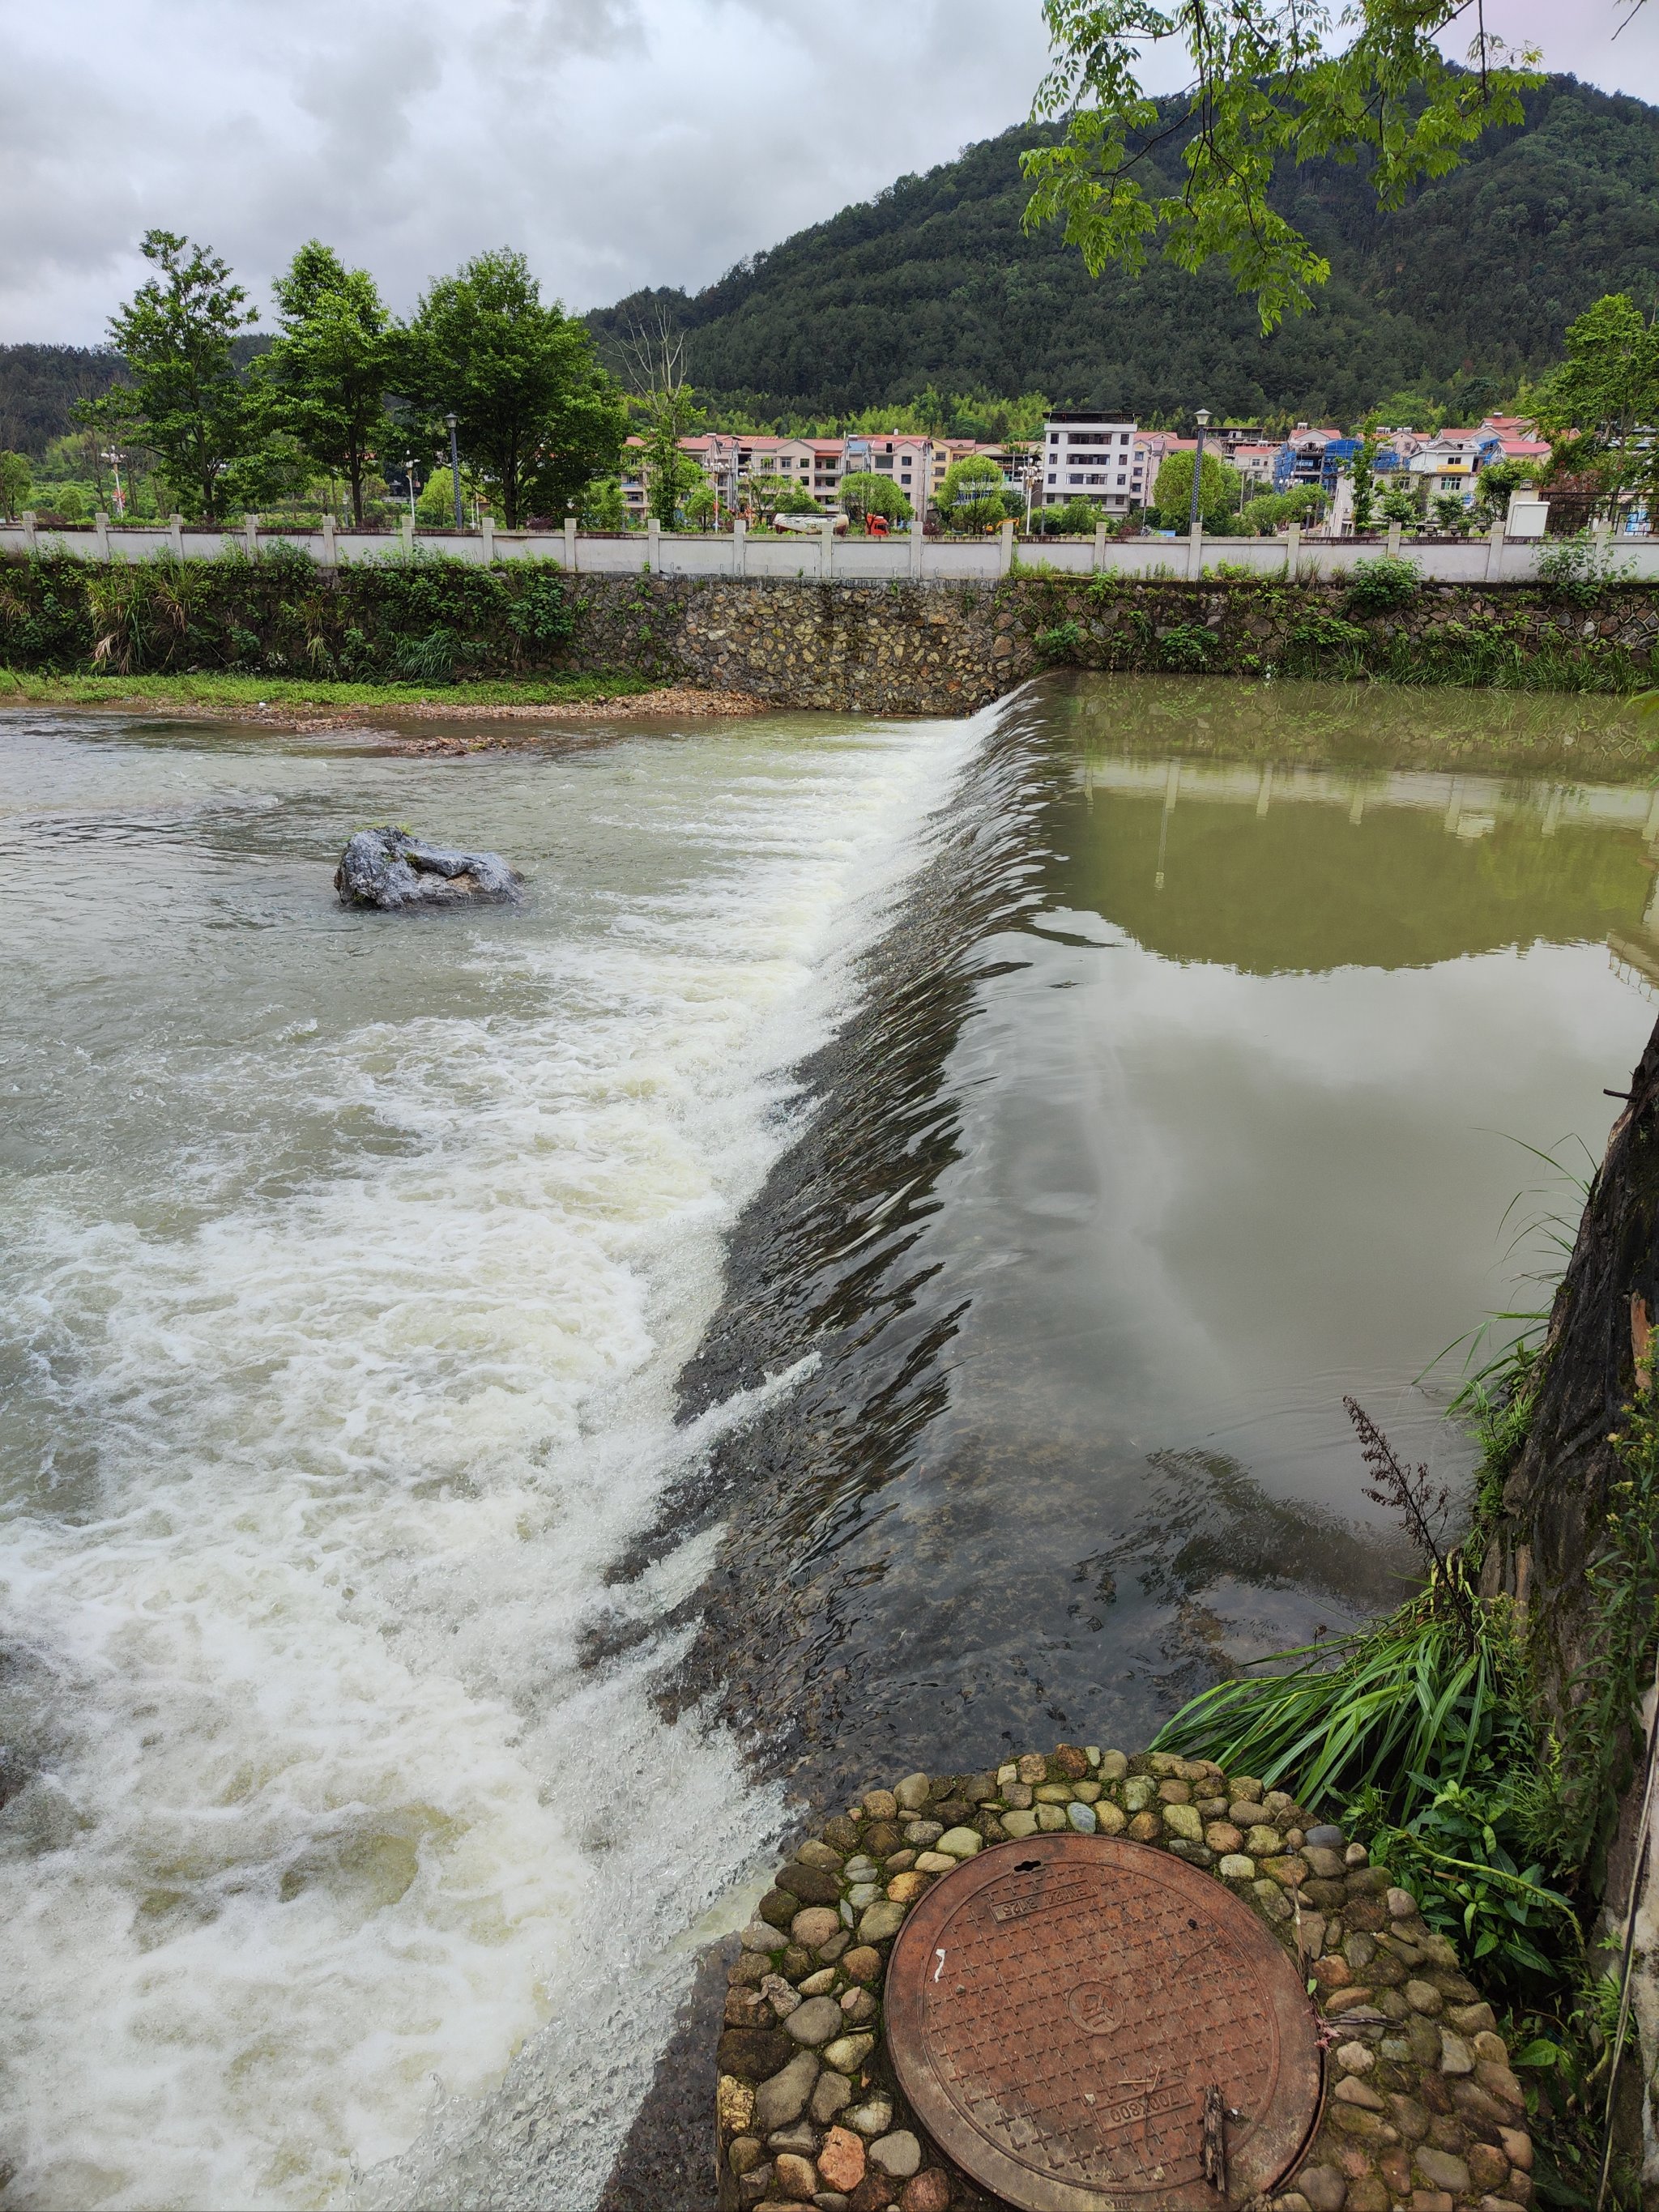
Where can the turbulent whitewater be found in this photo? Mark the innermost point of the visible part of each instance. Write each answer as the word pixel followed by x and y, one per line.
pixel 350 1262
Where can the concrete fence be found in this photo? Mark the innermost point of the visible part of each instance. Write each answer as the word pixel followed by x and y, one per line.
pixel 820 557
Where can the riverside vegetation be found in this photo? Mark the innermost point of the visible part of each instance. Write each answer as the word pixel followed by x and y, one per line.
pixel 1429 1734
pixel 895 648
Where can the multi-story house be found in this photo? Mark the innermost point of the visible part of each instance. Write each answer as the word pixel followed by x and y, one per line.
pixel 1087 455
pixel 1449 462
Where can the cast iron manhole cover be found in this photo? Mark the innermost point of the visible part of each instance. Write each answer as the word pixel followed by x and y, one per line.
pixel 1060 2011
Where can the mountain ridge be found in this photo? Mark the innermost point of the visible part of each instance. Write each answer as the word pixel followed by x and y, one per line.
pixel 932 282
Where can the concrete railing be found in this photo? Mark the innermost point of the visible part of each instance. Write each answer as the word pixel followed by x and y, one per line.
pixel 820 557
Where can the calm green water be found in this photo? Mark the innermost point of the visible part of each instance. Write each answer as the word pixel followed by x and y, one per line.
pixel 860 1269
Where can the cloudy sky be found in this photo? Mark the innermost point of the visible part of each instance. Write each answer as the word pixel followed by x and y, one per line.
pixel 619 142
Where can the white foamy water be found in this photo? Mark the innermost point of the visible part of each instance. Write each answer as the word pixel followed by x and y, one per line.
pixel 350 1261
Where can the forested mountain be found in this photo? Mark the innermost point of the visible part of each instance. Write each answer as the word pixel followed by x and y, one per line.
pixel 1465 290
pixel 39 384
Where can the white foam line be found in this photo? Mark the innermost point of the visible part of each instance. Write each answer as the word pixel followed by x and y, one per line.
pixel 340 1865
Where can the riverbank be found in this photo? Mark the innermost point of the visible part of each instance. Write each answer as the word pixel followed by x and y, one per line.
pixel 295 704
pixel 433 626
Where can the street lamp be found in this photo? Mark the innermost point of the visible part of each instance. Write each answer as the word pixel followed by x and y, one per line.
pixel 1198 470
pixel 112 454
pixel 455 473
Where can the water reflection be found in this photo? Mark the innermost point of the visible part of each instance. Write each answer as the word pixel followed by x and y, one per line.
pixel 1182 1104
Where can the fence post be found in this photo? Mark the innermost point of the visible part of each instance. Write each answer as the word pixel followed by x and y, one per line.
pixel 1004 549
pixel 1292 550
pixel 31 541
pixel 100 534
pixel 487 531
pixel 654 545
pixel 1495 552
pixel 739 547
pixel 570 543
pixel 1195 553
pixel 406 531
pixel 176 536
pixel 251 533
pixel 1394 529
pixel 826 550
pixel 1099 547
pixel 918 539
pixel 330 554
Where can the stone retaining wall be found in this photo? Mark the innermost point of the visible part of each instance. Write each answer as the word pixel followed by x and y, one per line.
pixel 1422 2111
pixel 944 649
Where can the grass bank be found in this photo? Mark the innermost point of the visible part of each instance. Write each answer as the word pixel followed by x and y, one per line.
pixel 235 695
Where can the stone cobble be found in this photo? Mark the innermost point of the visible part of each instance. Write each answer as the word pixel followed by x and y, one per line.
pixel 1422 2111
pixel 946 649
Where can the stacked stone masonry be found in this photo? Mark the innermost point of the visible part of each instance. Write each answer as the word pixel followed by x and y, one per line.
pixel 1422 2111
pixel 946 649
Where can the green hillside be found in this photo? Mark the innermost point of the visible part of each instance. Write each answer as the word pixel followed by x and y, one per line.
pixel 932 282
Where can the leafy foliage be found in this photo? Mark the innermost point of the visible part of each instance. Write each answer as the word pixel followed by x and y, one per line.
pixel 16 478
pixel 537 415
pixel 328 372
pixel 1267 87
pixel 177 332
pixel 971 496
pixel 867 491
pixel 1379 585
pixel 428 619
pixel 1219 490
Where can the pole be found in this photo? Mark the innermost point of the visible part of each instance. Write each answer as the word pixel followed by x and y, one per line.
pixel 409 485
pixel 455 474
pixel 1198 470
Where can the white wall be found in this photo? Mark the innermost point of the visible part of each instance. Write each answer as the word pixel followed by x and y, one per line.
pixel 818 558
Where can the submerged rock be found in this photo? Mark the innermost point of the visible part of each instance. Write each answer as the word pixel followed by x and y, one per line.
pixel 389 868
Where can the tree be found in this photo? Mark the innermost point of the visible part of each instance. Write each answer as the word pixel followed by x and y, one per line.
pixel 1494 484
pixel 192 407
pixel 328 372
pixel 1609 381
pixel 1365 485
pixel 1451 515
pixel 867 491
pixel 665 411
pixel 1267 85
pixel 1219 490
pixel 700 503
pixel 1401 502
pixel 1071 518
pixel 971 496
pixel 537 416
pixel 16 478
pixel 601 505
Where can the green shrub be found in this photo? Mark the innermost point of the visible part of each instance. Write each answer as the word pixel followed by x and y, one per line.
pixel 429 618
pixel 1059 643
pixel 1186 649
pixel 1378 586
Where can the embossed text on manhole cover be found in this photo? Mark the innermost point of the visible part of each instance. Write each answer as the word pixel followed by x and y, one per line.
pixel 1060 2009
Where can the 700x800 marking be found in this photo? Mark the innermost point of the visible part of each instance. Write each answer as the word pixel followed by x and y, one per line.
pixel 1041 1900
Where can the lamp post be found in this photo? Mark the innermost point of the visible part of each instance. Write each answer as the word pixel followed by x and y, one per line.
pixel 112 454
pixel 1198 471
pixel 409 485
pixel 455 473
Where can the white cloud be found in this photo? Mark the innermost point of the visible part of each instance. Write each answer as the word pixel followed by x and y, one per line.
pixel 619 143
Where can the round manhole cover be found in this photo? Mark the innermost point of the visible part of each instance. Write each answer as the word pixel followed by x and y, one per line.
pixel 1063 2013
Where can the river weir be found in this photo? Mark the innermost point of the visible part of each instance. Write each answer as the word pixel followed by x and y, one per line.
pixel 505 1411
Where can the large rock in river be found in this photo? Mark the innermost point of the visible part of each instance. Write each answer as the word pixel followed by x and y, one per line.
pixel 389 868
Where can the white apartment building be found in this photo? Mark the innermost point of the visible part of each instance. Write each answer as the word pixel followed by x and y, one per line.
pixel 1092 457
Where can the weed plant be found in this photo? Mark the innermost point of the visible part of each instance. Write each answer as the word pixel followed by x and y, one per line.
pixel 425 619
